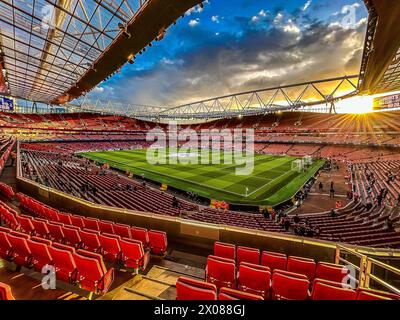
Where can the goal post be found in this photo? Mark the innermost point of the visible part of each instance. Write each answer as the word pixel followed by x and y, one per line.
pixel 298 165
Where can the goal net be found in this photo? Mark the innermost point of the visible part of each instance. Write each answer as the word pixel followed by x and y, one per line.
pixel 298 165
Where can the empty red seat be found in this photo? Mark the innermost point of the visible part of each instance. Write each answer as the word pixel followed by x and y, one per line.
pixel 302 265
pixel 289 285
pixel 324 291
pixel 133 254
pixel 232 294
pixel 25 224
pixel 246 254
pixel 110 247
pixel 253 278
pixel 72 237
pixel 274 260
pixel 65 218
pixel 369 294
pixel 5 246
pixel 41 229
pixel 190 289
pixel 90 240
pixel 330 271
pixel 40 254
pixel 21 254
pixel 64 264
pixel 158 242
pixel 77 221
pixel 56 232
pixel 225 250
pixel 122 230
pixel 91 224
pixel 140 234
pixel 221 272
pixel 92 274
pixel 5 292
pixel 106 227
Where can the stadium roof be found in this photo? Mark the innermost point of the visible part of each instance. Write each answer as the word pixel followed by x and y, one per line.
pixel 54 51
pixel 380 68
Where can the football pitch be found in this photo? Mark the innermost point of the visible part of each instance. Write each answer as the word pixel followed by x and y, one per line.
pixel 271 182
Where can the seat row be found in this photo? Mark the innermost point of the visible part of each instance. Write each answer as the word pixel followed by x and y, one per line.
pixel 285 286
pixel 75 266
pixel 274 260
pixel 127 252
pixel 155 240
pixel 6 190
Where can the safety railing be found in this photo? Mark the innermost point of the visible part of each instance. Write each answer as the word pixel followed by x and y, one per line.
pixel 365 266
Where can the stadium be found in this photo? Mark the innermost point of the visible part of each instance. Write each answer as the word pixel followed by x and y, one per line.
pixel 134 167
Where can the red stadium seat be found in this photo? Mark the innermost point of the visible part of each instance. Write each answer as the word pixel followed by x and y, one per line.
pixel 110 247
pixel 369 294
pixel 158 242
pixel 26 225
pixel 5 246
pixel 91 223
pixel 190 289
pixel 140 234
pixel 255 279
pixel 274 260
pixel 90 240
pixel 106 227
pixel 65 218
pixel 122 230
pixel 323 291
pixel 72 237
pixel 77 222
pixel 64 264
pixel 5 292
pixel 21 254
pixel 221 272
pixel 133 254
pixel 92 274
pixel 40 254
pixel 289 286
pixel 232 294
pixel 225 250
pixel 56 232
pixel 302 265
pixel 330 271
pixel 250 255
pixel 41 229
pixel 63 247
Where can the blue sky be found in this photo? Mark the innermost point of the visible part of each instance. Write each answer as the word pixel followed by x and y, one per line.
pixel 234 45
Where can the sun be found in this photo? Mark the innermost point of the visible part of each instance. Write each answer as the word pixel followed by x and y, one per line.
pixel 356 105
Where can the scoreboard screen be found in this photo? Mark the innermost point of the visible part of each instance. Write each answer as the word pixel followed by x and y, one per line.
pixel 387 102
pixel 6 104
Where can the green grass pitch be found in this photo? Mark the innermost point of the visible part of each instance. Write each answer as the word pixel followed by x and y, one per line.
pixel 271 182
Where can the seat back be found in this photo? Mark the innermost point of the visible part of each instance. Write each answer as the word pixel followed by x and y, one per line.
pixel 286 287
pixel 25 224
pixel 140 234
pixel 231 294
pixel 221 272
pixel 56 232
pixel 274 260
pixel 106 227
pixel 246 254
pixel 254 278
pixel 110 246
pixel 90 240
pixel 225 250
pixel 323 291
pixel 302 265
pixel 5 246
pixel 64 263
pixel 122 230
pixel 332 272
pixel 132 252
pixel 21 252
pixel 40 228
pixel 190 289
pixel 65 218
pixel 158 242
pixel 91 223
pixel 40 254
pixel 77 221
pixel 72 236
